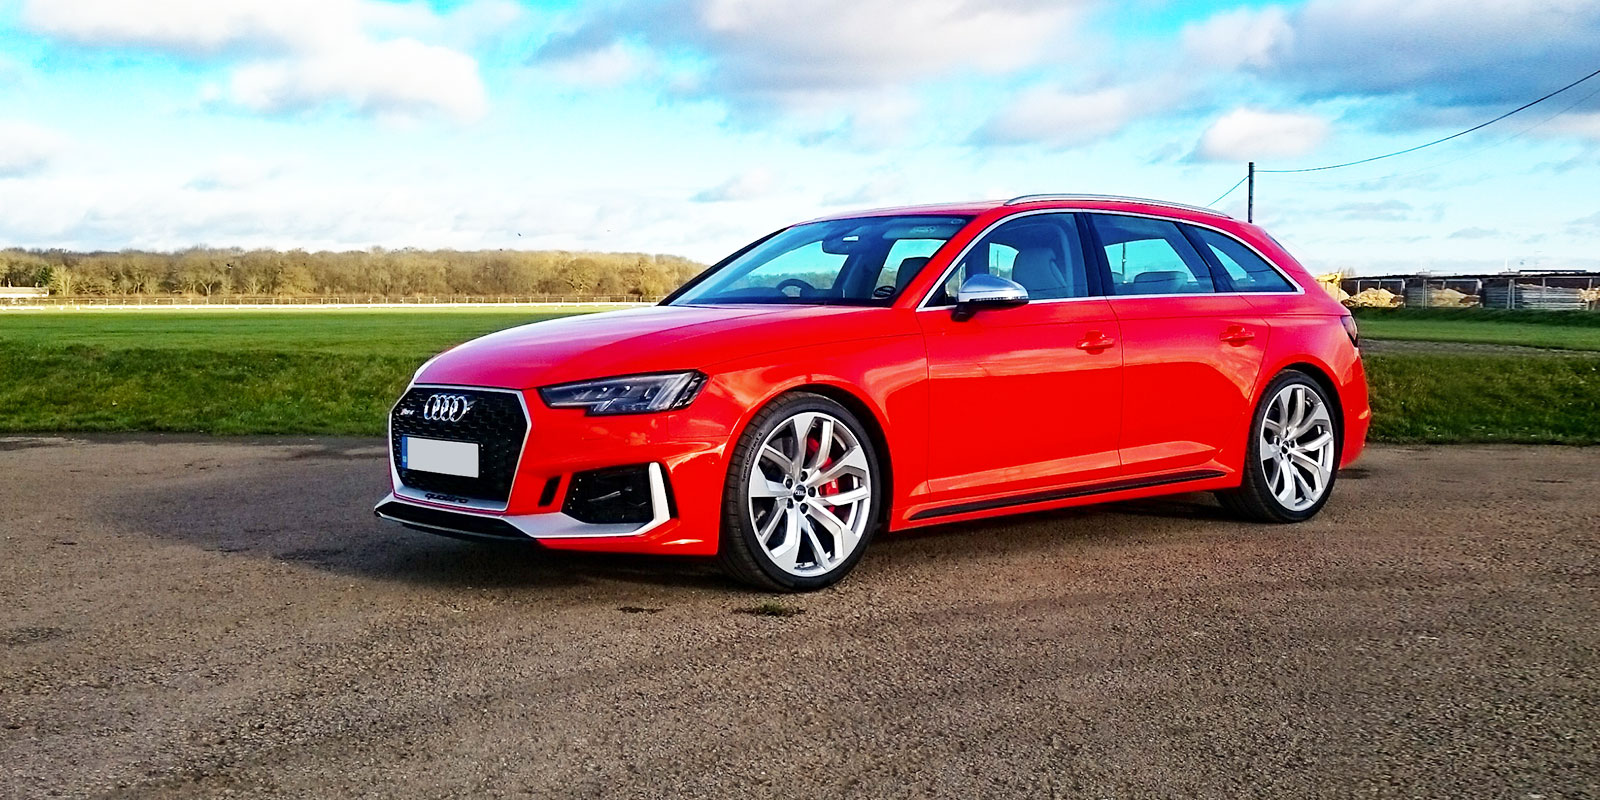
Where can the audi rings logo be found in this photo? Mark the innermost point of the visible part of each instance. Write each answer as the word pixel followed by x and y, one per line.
pixel 446 408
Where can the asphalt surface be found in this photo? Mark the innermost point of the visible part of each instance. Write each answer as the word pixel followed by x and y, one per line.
pixel 184 617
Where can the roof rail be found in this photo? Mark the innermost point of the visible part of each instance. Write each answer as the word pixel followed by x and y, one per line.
pixel 1031 198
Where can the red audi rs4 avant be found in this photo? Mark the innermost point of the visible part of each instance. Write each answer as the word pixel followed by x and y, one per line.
pixel 885 370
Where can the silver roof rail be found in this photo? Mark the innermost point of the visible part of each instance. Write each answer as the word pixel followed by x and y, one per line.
pixel 1033 198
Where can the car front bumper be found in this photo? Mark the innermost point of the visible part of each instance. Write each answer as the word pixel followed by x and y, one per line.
pixel 677 507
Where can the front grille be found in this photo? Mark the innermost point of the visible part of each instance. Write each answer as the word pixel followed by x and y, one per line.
pixel 495 423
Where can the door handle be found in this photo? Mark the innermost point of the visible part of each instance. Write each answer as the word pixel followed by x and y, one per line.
pixel 1096 340
pixel 1237 334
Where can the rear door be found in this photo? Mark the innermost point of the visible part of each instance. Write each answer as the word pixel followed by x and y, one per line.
pixel 1191 353
pixel 1026 397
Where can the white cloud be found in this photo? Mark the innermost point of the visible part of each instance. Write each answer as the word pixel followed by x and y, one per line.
pixel 1241 37
pixel 26 148
pixel 1584 125
pixel 1058 118
pixel 1443 53
pixel 1245 134
pixel 747 185
pixel 817 43
pixel 297 54
pixel 765 56
pixel 1374 211
pixel 234 173
pixel 612 65
pixel 193 26
pixel 878 190
pixel 320 208
pixel 401 77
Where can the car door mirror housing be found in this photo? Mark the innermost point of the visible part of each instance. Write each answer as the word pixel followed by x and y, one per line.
pixel 988 291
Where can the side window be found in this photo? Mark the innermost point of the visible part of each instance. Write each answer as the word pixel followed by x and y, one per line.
pixel 1150 256
pixel 1247 271
pixel 1041 252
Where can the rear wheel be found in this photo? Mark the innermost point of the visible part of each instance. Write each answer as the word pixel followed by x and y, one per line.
pixel 802 497
pixel 1293 457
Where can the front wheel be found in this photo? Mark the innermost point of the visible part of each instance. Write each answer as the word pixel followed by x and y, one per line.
pixel 802 497
pixel 1293 456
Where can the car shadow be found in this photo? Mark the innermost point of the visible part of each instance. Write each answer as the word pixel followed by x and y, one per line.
pixel 315 509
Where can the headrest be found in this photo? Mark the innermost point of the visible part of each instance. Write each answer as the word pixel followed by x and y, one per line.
pixel 1161 280
pixel 908 269
pixel 1035 268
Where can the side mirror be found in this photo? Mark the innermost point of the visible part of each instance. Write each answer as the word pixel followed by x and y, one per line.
pixel 988 291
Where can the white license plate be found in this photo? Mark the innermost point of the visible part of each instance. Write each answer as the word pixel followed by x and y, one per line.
pixel 434 455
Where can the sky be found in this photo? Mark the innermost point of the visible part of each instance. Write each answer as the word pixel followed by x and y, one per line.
pixel 693 126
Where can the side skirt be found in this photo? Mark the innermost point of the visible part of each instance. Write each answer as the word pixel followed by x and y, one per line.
pixel 1052 495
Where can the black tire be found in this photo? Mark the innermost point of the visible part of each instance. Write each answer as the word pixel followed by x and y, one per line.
pixel 740 554
pixel 1254 500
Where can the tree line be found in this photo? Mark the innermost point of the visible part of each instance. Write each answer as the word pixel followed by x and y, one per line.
pixel 207 272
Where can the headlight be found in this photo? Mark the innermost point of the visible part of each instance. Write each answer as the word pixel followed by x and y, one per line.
pixel 627 394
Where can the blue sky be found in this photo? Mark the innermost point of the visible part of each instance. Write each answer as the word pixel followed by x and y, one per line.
pixel 693 126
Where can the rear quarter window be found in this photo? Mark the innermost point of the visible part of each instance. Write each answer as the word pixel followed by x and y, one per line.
pixel 1247 272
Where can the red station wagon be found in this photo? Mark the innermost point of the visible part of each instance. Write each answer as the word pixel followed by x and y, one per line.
pixel 892 369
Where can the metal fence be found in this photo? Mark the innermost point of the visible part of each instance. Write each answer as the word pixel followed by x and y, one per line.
pixel 1545 292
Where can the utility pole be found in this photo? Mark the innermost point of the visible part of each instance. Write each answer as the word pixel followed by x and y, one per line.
pixel 1250 192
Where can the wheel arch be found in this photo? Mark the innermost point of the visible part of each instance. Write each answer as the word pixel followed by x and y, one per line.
pixel 868 417
pixel 854 402
pixel 1325 381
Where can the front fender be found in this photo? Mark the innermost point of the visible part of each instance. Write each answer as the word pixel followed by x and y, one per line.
pixel 887 376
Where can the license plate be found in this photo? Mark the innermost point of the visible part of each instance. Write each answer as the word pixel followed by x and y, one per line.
pixel 435 455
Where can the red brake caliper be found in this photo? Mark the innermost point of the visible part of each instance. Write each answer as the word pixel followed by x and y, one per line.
pixel 826 489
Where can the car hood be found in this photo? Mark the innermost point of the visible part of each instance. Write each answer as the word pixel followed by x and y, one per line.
pixel 652 339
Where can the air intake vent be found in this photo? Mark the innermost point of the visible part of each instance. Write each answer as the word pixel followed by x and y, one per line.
pixel 610 496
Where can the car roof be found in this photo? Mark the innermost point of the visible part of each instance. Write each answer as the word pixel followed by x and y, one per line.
pixel 1085 201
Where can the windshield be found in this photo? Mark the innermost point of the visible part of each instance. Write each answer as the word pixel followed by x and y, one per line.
pixel 864 261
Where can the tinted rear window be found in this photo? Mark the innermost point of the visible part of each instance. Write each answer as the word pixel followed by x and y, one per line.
pixel 1247 271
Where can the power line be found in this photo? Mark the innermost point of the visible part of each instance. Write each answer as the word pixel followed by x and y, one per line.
pixel 1480 126
pixel 1458 134
pixel 1230 191
pixel 1468 154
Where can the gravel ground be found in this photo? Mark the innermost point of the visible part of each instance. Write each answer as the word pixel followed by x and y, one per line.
pixel 185 617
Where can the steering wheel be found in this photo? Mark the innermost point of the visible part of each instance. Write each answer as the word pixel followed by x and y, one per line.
pixel 804 287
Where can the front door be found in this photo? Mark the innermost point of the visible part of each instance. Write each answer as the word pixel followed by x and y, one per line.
pixel 1027 397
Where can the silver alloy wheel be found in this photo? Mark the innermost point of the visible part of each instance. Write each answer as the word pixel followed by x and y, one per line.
pixel 1297 447
pixel 809 494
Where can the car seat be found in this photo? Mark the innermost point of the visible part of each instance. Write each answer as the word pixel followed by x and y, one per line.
pixel 1036 270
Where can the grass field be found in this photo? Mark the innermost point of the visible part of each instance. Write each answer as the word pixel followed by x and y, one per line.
pixel 337 372
pixel 1568 330
pixel 389 332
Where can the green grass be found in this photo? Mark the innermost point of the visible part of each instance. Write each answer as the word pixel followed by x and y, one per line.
pixel 1485 398
pixel 389 332
pixel 1570 330
pixel 329 372
pixel 80 388
pixel 224 372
